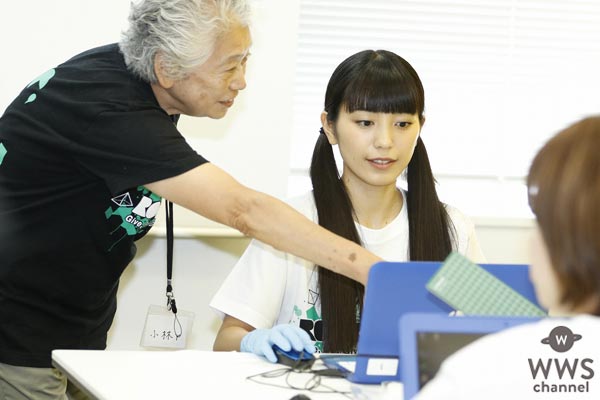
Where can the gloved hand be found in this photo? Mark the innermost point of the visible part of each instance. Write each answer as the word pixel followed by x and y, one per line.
pixel 286 336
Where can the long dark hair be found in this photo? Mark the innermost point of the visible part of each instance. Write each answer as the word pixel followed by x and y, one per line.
pixel 376 81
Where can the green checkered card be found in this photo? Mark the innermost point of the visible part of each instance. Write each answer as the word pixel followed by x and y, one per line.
pixel 467 287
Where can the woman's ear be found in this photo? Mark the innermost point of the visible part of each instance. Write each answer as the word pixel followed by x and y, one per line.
pixel 328 128
pixel 163 79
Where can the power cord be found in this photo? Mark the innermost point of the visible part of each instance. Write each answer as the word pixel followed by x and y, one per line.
pixel 312 384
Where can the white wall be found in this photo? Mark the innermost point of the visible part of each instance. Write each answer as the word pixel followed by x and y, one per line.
pixel 505 241
pixel 200 265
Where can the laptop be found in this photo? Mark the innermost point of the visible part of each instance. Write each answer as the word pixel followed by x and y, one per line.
pixel 427 339
pixel 397 288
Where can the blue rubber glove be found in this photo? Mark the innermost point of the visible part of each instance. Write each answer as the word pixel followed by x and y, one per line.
pixel 286 336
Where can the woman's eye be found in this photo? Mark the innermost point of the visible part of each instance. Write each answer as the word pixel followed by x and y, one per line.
pixel 403 124
pixel 364 123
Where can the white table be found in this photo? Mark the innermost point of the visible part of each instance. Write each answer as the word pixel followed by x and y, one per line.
pixel 191 374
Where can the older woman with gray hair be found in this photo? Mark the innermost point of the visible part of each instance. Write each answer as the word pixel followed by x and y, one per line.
pixel 87 152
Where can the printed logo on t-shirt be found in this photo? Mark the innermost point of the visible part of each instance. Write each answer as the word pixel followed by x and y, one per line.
pixel 132 213
pixel 3 152
pixel 307 317
pixel 42 81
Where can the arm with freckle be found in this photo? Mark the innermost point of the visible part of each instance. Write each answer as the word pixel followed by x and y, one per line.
pixel 265 218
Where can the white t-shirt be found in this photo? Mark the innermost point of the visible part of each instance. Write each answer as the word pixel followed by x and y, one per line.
pixel 268 287
pixel 502 366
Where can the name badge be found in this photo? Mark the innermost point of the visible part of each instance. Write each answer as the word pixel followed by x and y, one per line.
pixel 164 329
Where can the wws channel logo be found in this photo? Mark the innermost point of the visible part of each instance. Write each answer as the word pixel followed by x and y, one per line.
pixel 574 374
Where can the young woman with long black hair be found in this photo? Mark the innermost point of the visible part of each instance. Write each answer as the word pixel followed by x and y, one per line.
pixel 374 111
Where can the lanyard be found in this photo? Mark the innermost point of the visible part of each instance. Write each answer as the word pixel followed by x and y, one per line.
pixel 171 305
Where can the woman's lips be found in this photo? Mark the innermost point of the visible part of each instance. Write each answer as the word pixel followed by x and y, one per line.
pixel 381 163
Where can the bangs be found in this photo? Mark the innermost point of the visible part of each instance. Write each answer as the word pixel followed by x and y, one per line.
pixel 384 87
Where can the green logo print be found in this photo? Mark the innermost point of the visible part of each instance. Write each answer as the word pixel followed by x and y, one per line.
pixel 297 311
pixel 135 217
pixel 43 81
pixel 135 212
pixel 3 152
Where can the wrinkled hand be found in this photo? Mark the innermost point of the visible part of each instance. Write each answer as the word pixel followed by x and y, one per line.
pixel 286 336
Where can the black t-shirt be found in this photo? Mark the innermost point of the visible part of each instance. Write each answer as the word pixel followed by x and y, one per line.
pixel 76 146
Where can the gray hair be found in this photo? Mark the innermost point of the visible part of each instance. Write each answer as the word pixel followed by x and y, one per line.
pixel 184 32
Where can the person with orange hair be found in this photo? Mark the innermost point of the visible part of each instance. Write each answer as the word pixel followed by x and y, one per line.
pixel 558 354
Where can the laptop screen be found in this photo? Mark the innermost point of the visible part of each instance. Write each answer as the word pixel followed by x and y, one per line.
pixel 427 339
pixel 434 347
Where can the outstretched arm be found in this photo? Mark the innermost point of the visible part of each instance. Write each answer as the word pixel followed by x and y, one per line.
pixel 211 192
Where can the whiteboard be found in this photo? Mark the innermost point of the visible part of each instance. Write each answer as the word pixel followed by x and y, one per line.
pixel 252 142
